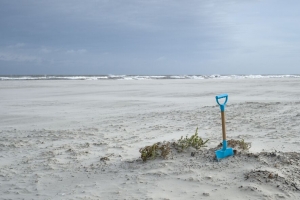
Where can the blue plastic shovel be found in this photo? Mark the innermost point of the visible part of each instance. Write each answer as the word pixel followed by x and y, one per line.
pixel 224 152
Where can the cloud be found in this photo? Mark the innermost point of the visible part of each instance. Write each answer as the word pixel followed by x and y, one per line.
pixel 18 45
pixel 162 58
pixel 146 36
pixel 18 57
pixel 46 50
pixel 79 51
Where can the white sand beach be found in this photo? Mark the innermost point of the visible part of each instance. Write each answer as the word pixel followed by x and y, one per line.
pixel 54 133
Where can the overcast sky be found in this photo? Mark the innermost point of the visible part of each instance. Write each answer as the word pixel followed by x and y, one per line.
pixel 149 37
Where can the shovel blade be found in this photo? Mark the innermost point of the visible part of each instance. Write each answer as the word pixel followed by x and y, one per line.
pixel 223 153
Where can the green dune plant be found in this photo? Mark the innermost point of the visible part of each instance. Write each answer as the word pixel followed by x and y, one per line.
pixel 164 149
pixel 194 141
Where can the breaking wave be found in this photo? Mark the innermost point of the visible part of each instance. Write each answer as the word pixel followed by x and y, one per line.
pixel 141 77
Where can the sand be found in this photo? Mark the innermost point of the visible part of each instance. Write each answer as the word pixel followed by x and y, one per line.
pixel 81 139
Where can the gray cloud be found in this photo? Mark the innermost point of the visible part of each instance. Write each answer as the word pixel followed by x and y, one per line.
pixel 79 51
pixel 149 37
pixel 18 57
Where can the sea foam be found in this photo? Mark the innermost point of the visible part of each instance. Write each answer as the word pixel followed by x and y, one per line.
pixel 142 77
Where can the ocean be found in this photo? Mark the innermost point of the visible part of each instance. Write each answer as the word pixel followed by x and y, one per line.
pixel 139 77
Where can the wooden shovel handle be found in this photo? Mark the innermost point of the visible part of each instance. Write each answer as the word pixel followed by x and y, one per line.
pixel 223 125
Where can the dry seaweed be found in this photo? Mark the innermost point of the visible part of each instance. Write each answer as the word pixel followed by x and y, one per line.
pixel 106 158
pixel 241 144
pixel 155 150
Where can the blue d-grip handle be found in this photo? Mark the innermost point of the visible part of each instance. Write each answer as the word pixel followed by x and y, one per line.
pixel 222 106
